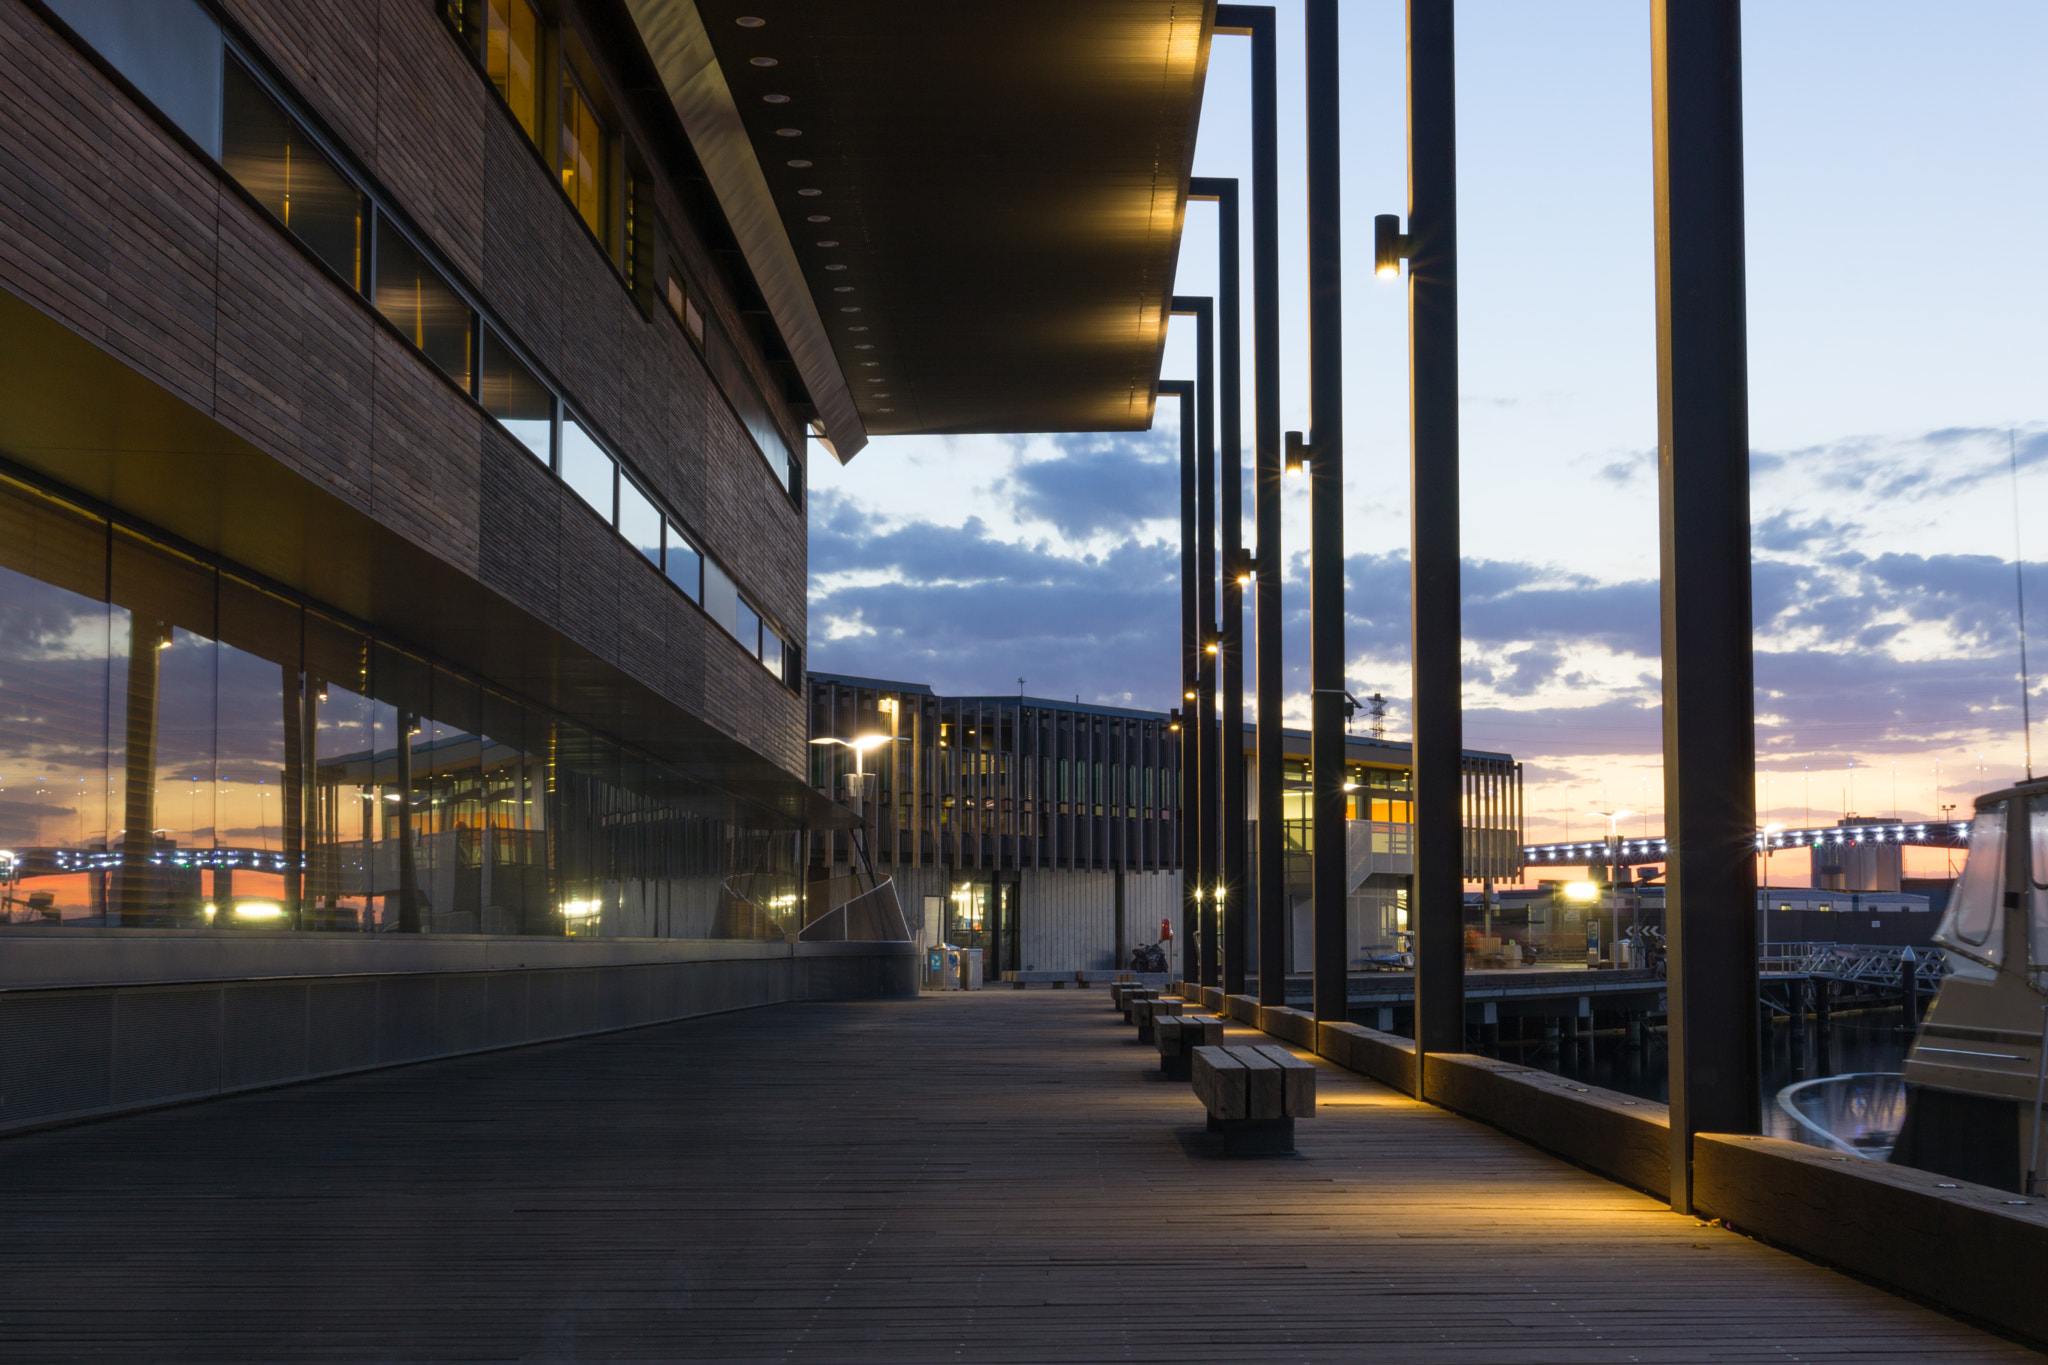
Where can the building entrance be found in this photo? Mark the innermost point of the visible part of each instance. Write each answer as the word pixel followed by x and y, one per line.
pixel 984 915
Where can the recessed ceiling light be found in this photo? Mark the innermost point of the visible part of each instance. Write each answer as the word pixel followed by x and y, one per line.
pixel 761 61
pixel 882 395
pixel 749 21
pixel 883 409
pixel 789 132
pixel 835 267
pixel 819 218
pixel 810 194
pixel 853 310
pixel 828 244
pixel 842 289
pixel 865 345
pixel 867 362
pixel 775 99
pixel 798 164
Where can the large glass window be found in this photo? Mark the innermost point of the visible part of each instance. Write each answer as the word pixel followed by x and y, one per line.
pixel 749 630
pixel 421 305
pixel 583 154
pixel 511 43
pixel 771 652
pixel 521 403
pixel 639 523
pixel 587 468
pixel 270 157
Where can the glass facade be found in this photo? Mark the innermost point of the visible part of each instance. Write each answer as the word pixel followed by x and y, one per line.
pixel 181 748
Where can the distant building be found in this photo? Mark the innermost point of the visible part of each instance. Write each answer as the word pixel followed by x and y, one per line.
pixel 1047 833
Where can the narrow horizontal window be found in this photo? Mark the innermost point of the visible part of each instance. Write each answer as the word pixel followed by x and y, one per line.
pixel 749 629
pixel 587 468
pixel 521 403
pixel 170 50
pixel 269 156
pixel 639 523
pixel 683 565
pixel 511 41
pixel 420 304
pixel 721 598
pixel 583 155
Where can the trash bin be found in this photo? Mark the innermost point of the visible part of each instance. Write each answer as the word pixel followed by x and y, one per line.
pixel 970 969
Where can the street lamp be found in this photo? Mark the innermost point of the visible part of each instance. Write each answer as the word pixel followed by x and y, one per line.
pixel 1613 817
pixel 860 744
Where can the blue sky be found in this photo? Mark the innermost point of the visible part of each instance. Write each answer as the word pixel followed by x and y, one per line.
pixel 1897 292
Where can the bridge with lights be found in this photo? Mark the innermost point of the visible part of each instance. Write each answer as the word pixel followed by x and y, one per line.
pixel 1919 834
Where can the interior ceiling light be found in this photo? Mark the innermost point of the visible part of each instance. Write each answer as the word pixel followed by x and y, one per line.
pixel 775 99
pixel 749 21
pixel 885 409
pixel 842 289
pixel 828 244
pixel 810 193
pixel 849 310
pixel 799 164
pixel 819 218
pixel 867 362
pixel 835 266
pixel 864 346
pixel 789 132
pixel 761 61
pixel 854 329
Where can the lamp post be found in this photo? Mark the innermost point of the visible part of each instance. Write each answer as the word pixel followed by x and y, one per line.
pixel 1192 737
pixel 860 744
pixel 1613 878
pixel 1326 511
pixel 1704 579
pixel 1237 573
pixel 1208 815
pixel 1436 621
pixel 1268 899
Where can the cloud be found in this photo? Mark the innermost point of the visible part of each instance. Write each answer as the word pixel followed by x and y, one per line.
pixel 1101 483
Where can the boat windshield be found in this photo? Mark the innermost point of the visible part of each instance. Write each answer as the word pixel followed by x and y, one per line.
pixel 1971 926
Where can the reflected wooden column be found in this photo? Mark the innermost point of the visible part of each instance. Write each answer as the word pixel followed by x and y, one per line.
pixel 138 874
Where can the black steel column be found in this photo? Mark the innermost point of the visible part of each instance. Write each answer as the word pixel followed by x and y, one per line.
pixel 1269 901
pixel 1703 501
pixel 1208 822
pixel 1326 508
pixel 1231 871
pixel 1188 825
pixel 1437 903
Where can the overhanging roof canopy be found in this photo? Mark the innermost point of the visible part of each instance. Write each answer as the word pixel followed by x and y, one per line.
pixel 979 229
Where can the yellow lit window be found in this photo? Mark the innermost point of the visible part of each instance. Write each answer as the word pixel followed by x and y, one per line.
pixel 512 56
pixel 582 156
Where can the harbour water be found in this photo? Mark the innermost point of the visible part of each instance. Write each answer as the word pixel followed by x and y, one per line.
pixel 1873 1040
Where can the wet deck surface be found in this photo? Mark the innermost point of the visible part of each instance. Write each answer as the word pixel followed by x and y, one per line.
pixel 980 1177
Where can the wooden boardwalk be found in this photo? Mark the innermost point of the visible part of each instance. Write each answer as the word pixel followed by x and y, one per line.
pixel 982 1177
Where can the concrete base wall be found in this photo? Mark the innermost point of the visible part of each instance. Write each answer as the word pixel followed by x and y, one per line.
pixel 104 1048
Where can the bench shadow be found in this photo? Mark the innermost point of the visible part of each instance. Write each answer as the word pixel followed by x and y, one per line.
pixel 1199 1144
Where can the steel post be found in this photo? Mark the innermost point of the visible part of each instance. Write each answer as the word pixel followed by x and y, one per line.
pixel 1437 903
pixel 1190 647
pixel 1703 498
pixel 1230 732
pixel 1267 903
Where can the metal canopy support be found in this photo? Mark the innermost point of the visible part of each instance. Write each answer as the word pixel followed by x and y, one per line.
pixel 1186 827
pixel 1436 620
pixel 1326 509
pixel 1230 734
pixel 1208 817
pixel 1268 901
pixel 1703 504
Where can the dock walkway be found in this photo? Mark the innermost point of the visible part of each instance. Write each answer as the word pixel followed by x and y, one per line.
pixel 971 1177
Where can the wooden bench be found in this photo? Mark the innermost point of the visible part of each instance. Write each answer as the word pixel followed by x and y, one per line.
pixel 1254 1093
pixel 1177 1036
pixel 1143 1012
pixel 1122 998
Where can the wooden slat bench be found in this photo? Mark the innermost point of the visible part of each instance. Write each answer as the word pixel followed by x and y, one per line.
pixel 1254 1093
pixel 1143 1012
pixel 1177 1037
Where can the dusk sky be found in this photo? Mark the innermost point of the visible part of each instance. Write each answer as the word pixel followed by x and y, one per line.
pixel 1896 296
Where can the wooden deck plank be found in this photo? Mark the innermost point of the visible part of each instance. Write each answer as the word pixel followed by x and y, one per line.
pixel 979 1176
